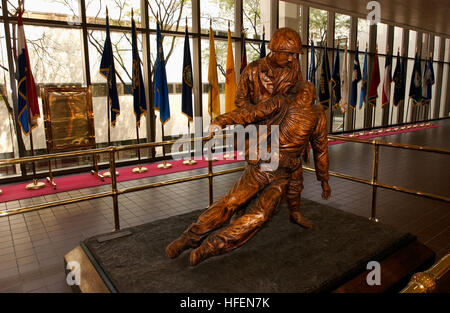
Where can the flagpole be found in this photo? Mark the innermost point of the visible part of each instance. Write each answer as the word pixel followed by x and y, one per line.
pixel 108 84
pixel 210 157
pixel 407 111
pixel 140 169
pixel 189 161
pixel 226 155
pixel 35 184
pixel 164 165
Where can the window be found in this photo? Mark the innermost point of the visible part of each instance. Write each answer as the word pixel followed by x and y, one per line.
pixel 412 43
pixel 172 14
pixel 252 19
pixel 119 12
pixel 67 10
pixel 8 141
pixel 289 15
pixel 363 39
pixel 220 13
pixel 393 111
pixel 341 39
pixel 221 59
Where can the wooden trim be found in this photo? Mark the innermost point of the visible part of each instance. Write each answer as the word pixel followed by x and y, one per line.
pixel 396 270
pixel 90 280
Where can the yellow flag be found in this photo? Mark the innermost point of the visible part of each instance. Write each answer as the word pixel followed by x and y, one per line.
pixel 230 78
pixel 213 94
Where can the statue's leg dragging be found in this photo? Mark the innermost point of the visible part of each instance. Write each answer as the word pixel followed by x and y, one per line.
pixel 251 181
pixel 239 231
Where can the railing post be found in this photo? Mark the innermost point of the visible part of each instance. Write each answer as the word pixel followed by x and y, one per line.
pixel 115 196
pixel 374 181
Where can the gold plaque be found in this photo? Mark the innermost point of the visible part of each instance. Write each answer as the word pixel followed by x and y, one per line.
pixel 69 118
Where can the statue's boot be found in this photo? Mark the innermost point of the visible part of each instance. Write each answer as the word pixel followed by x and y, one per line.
pixel 176 247
pixel 200 254
pixel 296 217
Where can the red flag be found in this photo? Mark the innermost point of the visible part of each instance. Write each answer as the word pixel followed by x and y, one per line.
pixel 27 93
pixel 374 81
pixel 386 95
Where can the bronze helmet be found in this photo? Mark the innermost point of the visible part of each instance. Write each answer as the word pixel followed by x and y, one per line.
pixel 286 40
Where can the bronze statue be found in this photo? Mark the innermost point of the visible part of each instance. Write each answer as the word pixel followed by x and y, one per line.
pixel 271 92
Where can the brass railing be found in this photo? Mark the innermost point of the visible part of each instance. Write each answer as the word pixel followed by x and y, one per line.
pixel 115 192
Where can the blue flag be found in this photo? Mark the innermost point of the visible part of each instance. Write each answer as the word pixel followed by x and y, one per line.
pixel 186 95
pixel 324 87
pixel 415 88
pixel 262 53
pixel 336 79
pixel 362 96
pixel 161 90
pixel 139 99
pixel 428 81
pixel 312 67
pixel 399 81
pixel 356 78
pixel 108 71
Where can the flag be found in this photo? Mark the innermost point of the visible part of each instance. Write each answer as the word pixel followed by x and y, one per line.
pixel 324 88
pixel 356 78
pixel 362 96
pixel 230 78
pixel 343 103
pixel 161 91
pixel 139 99
pixel 27 94
pixel 187 81
pixel 312 67
pixel 243 53
pixel 386 94
pixel 374 81
pixel 213 93
pixel 399 81
pixel 262 51
pixel 336 80
pixel 108 71
pixel 428 81
pixel 415 89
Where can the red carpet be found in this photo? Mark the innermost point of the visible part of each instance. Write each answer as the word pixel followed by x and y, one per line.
pixel 80 181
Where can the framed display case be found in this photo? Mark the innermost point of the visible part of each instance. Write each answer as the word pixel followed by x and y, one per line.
pixel 69 121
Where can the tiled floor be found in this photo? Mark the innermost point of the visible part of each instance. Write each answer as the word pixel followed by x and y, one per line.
pixel 32 245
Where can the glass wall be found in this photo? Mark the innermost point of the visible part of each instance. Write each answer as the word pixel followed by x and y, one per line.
pixel 59 56
pixel 363 40
pixel 341 40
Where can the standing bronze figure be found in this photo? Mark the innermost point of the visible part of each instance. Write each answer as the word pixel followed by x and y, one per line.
pixel 270 92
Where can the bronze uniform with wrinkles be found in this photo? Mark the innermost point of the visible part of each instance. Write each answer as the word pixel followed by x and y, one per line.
pixel 257 104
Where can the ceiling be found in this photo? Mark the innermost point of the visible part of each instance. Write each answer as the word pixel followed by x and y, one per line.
pixel 430 16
